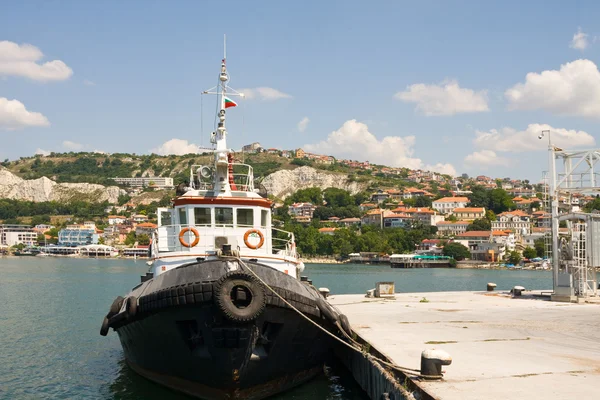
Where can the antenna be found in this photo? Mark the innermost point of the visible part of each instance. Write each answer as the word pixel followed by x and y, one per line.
pixel 224 46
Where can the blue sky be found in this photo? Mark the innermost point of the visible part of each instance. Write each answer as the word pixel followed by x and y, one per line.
pixel 437 84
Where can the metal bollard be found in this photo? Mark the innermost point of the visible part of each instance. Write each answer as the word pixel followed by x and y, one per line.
pixel 491 286
pixel 432 361
pixel 516 291
pixel 324 291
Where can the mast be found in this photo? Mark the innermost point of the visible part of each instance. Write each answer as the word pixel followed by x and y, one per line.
pixel 222 179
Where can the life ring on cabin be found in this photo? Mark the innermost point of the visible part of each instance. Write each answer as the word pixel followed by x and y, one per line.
pixel 250 245
pixel 182 237
pixel 239 296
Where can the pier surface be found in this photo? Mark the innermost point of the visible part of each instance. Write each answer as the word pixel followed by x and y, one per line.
pixel 501 347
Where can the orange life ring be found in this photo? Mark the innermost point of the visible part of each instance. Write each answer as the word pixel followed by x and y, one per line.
pixel 182 239
pixel 260 235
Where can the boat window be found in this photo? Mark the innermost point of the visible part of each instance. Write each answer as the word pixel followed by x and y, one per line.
pixel 224 216
pixel 202 216
pixel 182 216
pixel 165 218
pixel 264 215
pixel 245 217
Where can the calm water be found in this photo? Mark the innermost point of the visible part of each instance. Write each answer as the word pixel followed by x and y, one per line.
pixel 51 309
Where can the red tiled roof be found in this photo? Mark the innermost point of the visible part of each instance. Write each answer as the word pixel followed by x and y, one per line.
pixel 475 234
pixel 451 199
pixel 469 209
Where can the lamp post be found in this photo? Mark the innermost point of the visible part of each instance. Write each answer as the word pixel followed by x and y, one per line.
pixel 552 191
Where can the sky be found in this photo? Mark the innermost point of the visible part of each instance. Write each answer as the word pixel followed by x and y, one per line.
pixel 450 86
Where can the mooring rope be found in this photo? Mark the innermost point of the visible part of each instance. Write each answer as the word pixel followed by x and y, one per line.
pixel 356 347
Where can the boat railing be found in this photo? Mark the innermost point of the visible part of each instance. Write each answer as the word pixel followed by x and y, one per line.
pixel 202 177
pixel 169 238
pixel 284 242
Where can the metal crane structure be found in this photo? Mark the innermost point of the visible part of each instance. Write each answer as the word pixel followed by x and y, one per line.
pixel 576 253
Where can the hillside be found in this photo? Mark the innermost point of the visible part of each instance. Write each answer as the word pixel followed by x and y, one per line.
pixel 44 189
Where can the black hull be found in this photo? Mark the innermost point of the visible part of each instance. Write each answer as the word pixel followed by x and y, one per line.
pixel 179 337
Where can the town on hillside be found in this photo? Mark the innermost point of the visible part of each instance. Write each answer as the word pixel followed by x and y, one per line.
pixel 414 211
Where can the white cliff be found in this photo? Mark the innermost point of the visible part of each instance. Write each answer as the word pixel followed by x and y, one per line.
pixel 44 189
pixel 285 182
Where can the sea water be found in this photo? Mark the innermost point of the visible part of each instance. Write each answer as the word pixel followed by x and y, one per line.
pixel 51 310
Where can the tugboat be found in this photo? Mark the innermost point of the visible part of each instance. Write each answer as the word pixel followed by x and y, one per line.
pixel 223 312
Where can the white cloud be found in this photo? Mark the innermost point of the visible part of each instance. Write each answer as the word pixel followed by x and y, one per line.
pixel 573 90
pixel 579 41
pixel 354 141
pixel 67 144
pixel 177 147
pixel 448 98
pixel 42 152
pixel 486 158
pixel 14 115
pixel 512 140
pixel 303 124
pixel 87 82
pixel 21 60
pixel 264 93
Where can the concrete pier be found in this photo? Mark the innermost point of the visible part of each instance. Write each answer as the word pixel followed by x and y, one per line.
pixel 502 347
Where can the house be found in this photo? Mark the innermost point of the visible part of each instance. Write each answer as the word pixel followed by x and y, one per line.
pixel 451 228
pixel 325 160
pixel 300 153
pixel 517 221
pixel 145 228
pixel 42 228
pixel 251 148
pixel 327 231
pixel 302 210
pixel 12 234
pixel 78 235
pixel 116 219
pixel 373 217
pixel 380 196
pixel 469 213
pixel 367 206
pixel 525 204
pixel 349 221
pixel 447 204
pixel 393 220
pixel 394 194
pixel 411 193
pixel 139 218
pixel 424 215
pixel 273 151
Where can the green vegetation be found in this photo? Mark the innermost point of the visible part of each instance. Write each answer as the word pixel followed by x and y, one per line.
pixel 529 253
pixel 456 251
pixel 514 257
pixel 497 200
pixel 479 225
pixel 540 247
pixel 592 205
pixel 12 209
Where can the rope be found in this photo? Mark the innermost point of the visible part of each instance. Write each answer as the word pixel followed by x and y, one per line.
pixel 356 347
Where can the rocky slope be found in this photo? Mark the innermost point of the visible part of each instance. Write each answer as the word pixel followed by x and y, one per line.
pixel 44 189
pixel 285 182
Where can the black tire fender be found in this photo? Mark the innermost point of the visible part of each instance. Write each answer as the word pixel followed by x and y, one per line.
pixel 251 301
pixel 104 328
pixel 131 306
pixel 345 324
pixel 326 310
pixel 115 307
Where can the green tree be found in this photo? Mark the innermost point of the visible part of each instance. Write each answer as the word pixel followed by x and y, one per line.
pixel 479 225
pixel 130 239
pixel 337 198
pixel 514 257
pixel 500 201
pixel 143 239
pixel 309 195
pixel 529 252
pixel 101 240
pixel 540 247
pixel 592 205
pixel 457 251
pixel 480 196
pixel 490 215
pixel 423 201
